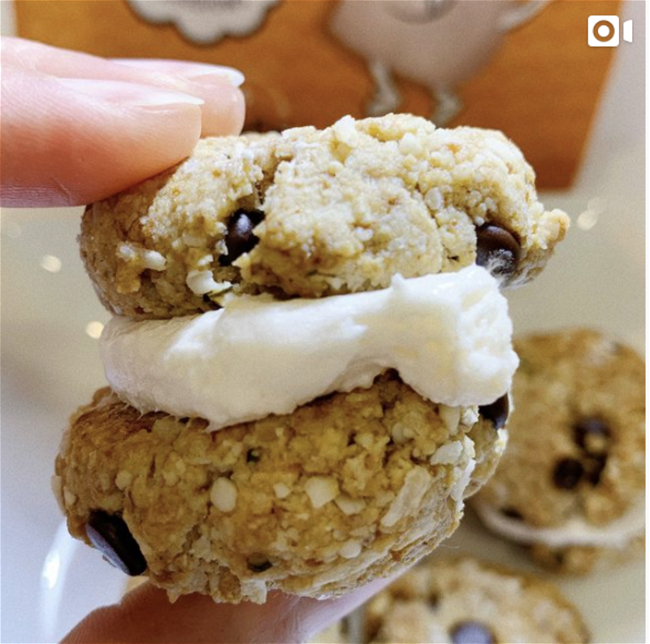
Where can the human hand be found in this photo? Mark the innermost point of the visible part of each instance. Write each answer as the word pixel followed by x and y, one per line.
pixel 146 616
pixel 77 128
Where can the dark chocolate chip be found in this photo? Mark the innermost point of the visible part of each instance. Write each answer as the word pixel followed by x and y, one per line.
pixel 434 600
pixel 239 236
pixel 471 633
pixel 110 534
pixel 497 412
pixel 511 513
pixel 592 435
pixel 594 466
pixel 567 473
pixel 258 563
pixel 210 302
pixel 253 455
pixel 497 249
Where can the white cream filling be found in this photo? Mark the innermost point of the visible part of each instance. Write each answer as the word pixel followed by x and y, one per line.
pixel 575 532
pixel 448 336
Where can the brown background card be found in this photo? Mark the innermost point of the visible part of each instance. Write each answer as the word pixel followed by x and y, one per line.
pixel 540 82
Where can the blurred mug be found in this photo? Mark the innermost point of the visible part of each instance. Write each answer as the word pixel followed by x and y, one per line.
pixel 437 43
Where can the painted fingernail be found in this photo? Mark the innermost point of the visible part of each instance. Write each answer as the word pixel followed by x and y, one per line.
pixel 189 71
pixel 122 93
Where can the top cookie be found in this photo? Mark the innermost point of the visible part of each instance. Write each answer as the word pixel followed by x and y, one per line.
pixel 311 213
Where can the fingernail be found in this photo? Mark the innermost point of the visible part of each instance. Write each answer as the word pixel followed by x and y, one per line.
pixel 189 71
pixel 228 74
pixel 122 93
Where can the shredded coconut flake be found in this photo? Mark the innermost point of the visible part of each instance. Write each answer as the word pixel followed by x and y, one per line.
pixel 447 454
pixel 408 500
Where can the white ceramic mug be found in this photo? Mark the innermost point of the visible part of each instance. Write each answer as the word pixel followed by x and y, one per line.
pixel 438 43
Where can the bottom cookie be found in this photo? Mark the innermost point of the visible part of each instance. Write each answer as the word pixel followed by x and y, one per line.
pixel 348 488
pixel 465 601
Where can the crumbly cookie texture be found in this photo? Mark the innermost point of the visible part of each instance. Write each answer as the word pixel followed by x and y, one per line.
pixel 464 600
pixel 347 488
pixel 577 444
pixel 309 213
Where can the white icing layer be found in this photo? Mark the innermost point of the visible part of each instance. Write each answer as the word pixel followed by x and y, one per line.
pixel 575 532
pixel 449 337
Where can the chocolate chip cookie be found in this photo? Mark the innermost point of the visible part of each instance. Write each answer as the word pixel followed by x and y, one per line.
pixel 310 213
pixel 465 601
pixel 571 484
pixel 316 502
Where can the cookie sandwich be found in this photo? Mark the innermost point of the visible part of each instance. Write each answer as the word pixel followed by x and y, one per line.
pixel 309 359
pixel 571 485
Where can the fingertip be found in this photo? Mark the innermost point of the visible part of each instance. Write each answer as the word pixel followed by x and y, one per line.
pixel 224 110
pixel 72 148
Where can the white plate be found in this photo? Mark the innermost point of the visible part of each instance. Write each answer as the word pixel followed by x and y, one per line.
pixel 50 365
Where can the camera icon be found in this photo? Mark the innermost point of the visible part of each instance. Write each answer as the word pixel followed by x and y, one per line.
pixel 604 31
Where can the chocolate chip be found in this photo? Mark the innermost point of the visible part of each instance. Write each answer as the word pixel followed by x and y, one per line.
pixel 592 435
pixel 471 633
pixel 210 302
pixel 239 236
pixel 253 455
pixel 497 412
pixel 110 534
pixel 567 473
pixel 511 513
pixel 497 249
pixel 258 563
pixel 594 467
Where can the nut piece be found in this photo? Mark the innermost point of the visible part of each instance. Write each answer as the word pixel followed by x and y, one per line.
pixel 321 490
pixel 350 549
pixel 348 505
pixel 154 261
pixel 282 490
pixel 223 494
pixel 201 282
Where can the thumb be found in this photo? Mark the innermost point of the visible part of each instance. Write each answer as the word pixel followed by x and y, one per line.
pixel 72 141
pixel 146 616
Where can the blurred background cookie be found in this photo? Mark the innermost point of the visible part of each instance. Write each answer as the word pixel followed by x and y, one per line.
pixel 466 601
pixel 571 483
